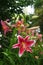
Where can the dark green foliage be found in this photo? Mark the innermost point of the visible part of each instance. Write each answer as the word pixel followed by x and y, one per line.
pixel 8 7
pixel 38 3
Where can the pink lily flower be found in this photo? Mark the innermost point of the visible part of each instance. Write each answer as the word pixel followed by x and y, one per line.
pixel 24 44
pixel 40 37
pixel 5 27
pixel 18 24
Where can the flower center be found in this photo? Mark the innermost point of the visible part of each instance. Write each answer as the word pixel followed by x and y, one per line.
pixel 4 27
pixel 23 44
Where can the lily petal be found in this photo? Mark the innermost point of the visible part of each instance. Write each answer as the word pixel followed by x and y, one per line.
pixel 16 45
pixel 20 39
pixel 30 43
pixel 3 25
pixel 5 32
pixel 29 49
pixel 27 37
pixel 21 51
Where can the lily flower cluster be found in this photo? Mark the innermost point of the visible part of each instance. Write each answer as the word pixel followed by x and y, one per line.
pixel 24 44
